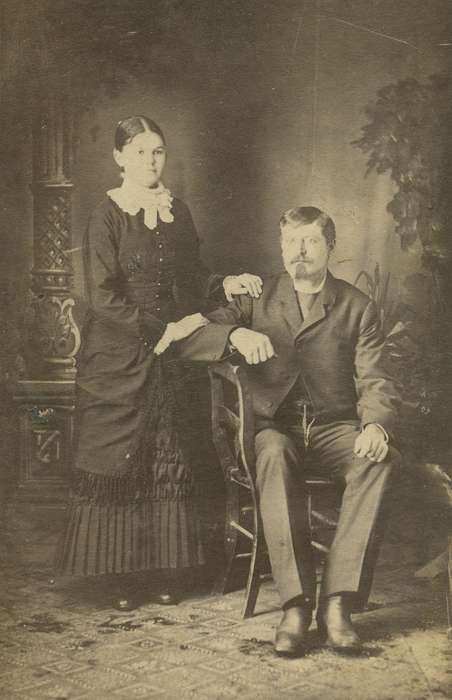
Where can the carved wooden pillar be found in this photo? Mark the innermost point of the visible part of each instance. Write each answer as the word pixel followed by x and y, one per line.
pixel 46 395
pixel 56 338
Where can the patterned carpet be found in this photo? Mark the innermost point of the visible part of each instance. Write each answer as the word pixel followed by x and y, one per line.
pixel 58 641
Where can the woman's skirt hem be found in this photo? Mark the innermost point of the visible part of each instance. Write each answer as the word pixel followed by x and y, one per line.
pixel 125 538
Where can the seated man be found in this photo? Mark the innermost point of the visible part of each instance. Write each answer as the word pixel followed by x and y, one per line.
pixel 319 390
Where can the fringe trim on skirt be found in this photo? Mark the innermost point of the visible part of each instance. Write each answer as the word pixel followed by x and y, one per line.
pixel 100 489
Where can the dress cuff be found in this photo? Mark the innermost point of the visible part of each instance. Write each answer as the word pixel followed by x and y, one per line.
pixel 385 434
pixel 231 346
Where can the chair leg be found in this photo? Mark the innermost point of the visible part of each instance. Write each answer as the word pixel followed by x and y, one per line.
pixel 449 587
pixel 223 580
pixel 254 576
pixel 252 587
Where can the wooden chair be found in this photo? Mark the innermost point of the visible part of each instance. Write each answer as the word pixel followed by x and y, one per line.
pixel 233 437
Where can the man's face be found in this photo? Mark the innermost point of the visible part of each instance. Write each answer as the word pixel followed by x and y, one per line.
pixel 305 251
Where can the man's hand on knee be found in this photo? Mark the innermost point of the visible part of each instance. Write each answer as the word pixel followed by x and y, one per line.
pixel 371 443
pixel 255 347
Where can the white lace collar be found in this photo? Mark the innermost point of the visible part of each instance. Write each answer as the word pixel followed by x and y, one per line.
pixel 131 197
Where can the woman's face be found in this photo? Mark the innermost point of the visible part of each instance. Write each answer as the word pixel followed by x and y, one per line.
pixel 143 159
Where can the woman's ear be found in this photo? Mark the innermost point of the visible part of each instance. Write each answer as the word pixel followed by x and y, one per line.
pixel 118 156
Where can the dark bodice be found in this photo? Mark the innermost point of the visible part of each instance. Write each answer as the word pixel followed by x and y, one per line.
pixel 138 279
pixel 148 263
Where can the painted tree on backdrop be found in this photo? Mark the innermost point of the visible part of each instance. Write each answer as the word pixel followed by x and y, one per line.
pixel 407 137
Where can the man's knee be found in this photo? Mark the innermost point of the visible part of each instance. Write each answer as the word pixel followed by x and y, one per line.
pixel 275 453
pixel 273 445
pixel 382 474
pixel 389 467
pixel 389 464
pixel 393 458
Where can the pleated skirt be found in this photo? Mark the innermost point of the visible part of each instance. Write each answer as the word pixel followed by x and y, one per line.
pixel 123 538
pixel 140 514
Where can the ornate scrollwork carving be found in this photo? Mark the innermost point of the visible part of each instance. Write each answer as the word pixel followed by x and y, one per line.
pixel 56 334
pixel 47 445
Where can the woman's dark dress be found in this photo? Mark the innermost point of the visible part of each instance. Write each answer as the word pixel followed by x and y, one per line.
pixel 133 505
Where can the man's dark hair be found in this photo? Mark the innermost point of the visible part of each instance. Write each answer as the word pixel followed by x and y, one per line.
pixel 298 216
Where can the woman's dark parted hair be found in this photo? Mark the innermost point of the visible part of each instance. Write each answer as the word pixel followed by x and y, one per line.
pixel 130 127
pixel 310 215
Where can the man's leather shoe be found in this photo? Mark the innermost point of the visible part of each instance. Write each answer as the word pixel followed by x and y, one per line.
pixel 124 604
pixel 292 632
pixel 335 626
pixel 167 598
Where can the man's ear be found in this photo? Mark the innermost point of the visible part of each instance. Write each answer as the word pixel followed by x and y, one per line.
pixel 118 156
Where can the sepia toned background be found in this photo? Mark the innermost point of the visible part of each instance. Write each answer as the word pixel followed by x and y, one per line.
pixel 341 104
pixel 259 103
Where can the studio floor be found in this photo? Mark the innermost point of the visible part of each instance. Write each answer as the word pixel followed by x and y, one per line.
pixel 60 640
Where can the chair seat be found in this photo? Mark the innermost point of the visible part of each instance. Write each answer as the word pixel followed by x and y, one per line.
pixel 312 478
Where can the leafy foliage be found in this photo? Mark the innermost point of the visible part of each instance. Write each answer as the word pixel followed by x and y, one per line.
pixel 414 354
pixel 377 287
pixel 405 137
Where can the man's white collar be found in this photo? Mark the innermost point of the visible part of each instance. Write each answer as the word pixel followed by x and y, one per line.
pixel 299 287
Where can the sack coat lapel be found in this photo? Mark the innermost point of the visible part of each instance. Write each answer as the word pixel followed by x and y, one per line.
pixel 291 309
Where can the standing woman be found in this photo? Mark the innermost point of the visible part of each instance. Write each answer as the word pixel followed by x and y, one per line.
pixel 133 501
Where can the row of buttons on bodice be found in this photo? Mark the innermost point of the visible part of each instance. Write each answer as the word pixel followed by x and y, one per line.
pixel 159 284
pixel 150 273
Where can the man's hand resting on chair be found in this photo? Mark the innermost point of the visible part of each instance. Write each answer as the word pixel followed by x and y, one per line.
pixel 255 347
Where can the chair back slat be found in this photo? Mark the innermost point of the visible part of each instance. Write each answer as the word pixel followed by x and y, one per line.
pixel 233 421
pixel 229 418
pixel 247 428
pixel 220 436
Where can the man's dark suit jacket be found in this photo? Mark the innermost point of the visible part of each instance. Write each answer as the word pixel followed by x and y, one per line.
pixel 337 351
